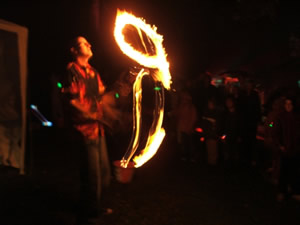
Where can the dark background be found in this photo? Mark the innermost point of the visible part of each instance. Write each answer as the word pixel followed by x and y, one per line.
pixel 207 35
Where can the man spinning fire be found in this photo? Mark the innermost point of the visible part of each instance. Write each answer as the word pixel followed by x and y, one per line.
pixel 83 92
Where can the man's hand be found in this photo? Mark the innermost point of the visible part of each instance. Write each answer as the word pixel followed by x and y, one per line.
pixel 85 109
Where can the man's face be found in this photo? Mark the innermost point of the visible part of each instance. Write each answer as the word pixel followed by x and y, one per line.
pixel 288 105
pixel 229 103
pixel 84 47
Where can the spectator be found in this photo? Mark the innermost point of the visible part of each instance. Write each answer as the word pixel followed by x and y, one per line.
pixel 288 140
pixel 186 117
pixel 251 116
pixel 211 127
pixel 273 159
pixel 230 129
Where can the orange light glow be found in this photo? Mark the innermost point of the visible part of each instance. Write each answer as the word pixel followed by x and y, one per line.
pixel 229 80
pixel 223 137
pixel 161 76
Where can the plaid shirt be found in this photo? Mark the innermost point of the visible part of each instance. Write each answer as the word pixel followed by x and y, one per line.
pixel 83 88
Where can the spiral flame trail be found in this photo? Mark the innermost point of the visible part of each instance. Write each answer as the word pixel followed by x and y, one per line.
pixel 161 76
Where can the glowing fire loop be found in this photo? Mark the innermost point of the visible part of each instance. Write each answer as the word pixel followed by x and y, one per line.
pixel 161 76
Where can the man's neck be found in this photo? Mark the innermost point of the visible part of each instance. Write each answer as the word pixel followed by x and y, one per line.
pixel 82 61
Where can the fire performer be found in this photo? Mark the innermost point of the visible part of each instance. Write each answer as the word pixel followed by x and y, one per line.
pixel 83 93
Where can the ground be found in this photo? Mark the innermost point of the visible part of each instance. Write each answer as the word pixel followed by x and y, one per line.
pixel 165 191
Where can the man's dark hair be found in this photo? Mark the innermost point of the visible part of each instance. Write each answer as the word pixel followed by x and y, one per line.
pixel 73 43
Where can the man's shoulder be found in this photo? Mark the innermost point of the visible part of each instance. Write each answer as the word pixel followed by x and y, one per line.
pixel 73 69
pixel 69 73
pixel 70 65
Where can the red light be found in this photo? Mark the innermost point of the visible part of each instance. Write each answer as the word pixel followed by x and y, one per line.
pixel 260 138
pixel 199 130
pixel 202 139
pixel 223 137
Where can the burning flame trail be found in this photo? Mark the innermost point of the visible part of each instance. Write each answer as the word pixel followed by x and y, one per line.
pixel 161 76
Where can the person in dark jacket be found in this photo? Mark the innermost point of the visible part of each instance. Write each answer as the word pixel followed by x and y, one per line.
pixel 288 140
pixel 250 108
pixel 230 130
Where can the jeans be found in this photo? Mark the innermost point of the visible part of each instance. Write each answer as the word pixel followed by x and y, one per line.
pixel 94 175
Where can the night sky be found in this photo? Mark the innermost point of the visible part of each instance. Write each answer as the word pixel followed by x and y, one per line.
pixel 208 35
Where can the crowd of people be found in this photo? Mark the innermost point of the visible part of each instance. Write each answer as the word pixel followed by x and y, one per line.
pixel 235 125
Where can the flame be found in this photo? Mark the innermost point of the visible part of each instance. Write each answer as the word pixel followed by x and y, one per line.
pixel 161 76
pixel 158 61
pixel 152 146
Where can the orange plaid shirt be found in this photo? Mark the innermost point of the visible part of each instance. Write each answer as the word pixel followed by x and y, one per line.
pixel 84 86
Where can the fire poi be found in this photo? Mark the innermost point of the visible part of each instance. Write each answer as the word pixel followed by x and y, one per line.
pixel 160 74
